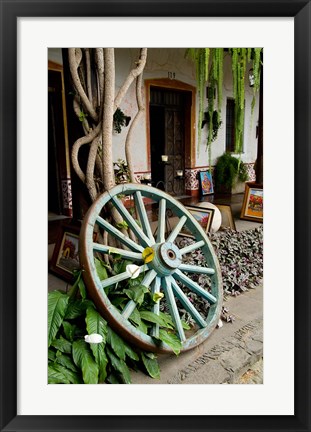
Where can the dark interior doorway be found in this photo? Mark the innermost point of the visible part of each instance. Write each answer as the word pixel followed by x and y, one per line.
pixel 58 171
pixel 168 110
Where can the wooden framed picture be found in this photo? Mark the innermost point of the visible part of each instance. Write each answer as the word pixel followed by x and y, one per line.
pixel 206 183
pixel 65 257
pixel 227 219
pixel 252 208
pixel 203 215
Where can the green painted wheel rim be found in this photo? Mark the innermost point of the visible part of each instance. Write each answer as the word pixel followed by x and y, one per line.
pixel 166 272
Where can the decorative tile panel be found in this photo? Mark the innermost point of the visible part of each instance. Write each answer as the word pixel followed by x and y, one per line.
pixel 67 194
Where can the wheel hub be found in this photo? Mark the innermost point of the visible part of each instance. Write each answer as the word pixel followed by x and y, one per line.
pixel 167 258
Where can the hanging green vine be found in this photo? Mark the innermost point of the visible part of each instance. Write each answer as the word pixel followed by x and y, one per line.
pixel 200 57
pixel 209 69
pixel 239 62
pixel 208 63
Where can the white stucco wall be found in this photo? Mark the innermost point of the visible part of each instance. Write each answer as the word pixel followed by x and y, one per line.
pixel 160 62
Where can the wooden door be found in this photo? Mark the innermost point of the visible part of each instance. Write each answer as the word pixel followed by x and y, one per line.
pixel 174 148
pixel 167 136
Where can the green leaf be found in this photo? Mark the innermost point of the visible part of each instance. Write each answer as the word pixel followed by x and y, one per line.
pixel 168 320
pixel 119 366
pixel 57 306
pixel 83 358
pixel 171 340
pixel 116 343
pixel 69 330
pixel 136 320
pixel 71 376
pixel 74 289
pixel 152 317
pixel 76 308
pixel 113 379
pixel 67 362
pixel 56 377
pixel 101 269
pixel 185 325
pixel 131 353
pixel 51 355
pixel 151 365
pixel 118 301
pixel 137 293
pixel 120 266
pixel 122 225
pixel 82 288
pixel 62 345
pixel 96 324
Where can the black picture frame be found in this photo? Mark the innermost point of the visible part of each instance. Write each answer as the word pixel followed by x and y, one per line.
pixel 10 11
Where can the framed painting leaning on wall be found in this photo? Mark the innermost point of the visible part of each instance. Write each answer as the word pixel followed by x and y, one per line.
pixel 252 208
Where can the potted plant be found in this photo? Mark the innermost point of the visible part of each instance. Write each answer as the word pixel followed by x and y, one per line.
pixel 120 120
pixel 228 173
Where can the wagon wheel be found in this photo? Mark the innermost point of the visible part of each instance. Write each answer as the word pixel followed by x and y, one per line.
pixel 168 272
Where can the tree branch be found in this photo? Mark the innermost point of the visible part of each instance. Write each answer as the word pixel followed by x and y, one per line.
pixel 77 83
pixel 140 65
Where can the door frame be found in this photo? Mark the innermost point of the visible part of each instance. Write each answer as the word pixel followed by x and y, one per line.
pixel 190 121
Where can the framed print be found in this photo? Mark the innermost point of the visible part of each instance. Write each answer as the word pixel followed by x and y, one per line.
pixel 227 219
pixel 206 183
pixel 252 208
pixel 65 257
pixel 27 403
pixel 202 215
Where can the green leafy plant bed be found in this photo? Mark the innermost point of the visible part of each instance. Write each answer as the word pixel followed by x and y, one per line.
pixel 82 348
pixel 240 256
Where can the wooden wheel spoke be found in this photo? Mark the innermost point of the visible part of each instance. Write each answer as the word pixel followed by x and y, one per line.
pixel 143 215
pixel 196 269
pixel 126 254
pixel 177 229
pixel 192 247
pixel 156 307
pixel 119 235
pixel 169 296
pixel 133 225
pixel 161 221
pixel 129 309
pixel 119 277
pixel 187 304
pixel 193 286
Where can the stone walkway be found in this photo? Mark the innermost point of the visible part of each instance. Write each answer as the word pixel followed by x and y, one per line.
pixel 231 355
pixel 228 361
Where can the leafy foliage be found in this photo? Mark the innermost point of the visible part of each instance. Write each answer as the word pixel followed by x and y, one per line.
pixel 209 71
pixel 120 120
pixel 228 170
pixel 240 256
pixel 73 361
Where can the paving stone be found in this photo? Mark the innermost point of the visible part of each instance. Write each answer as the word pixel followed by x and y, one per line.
pixel 235 360
pixel 211 373
pixel 254 346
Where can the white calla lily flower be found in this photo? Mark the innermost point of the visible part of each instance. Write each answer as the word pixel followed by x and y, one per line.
pixel 93 338
pixel 133 270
